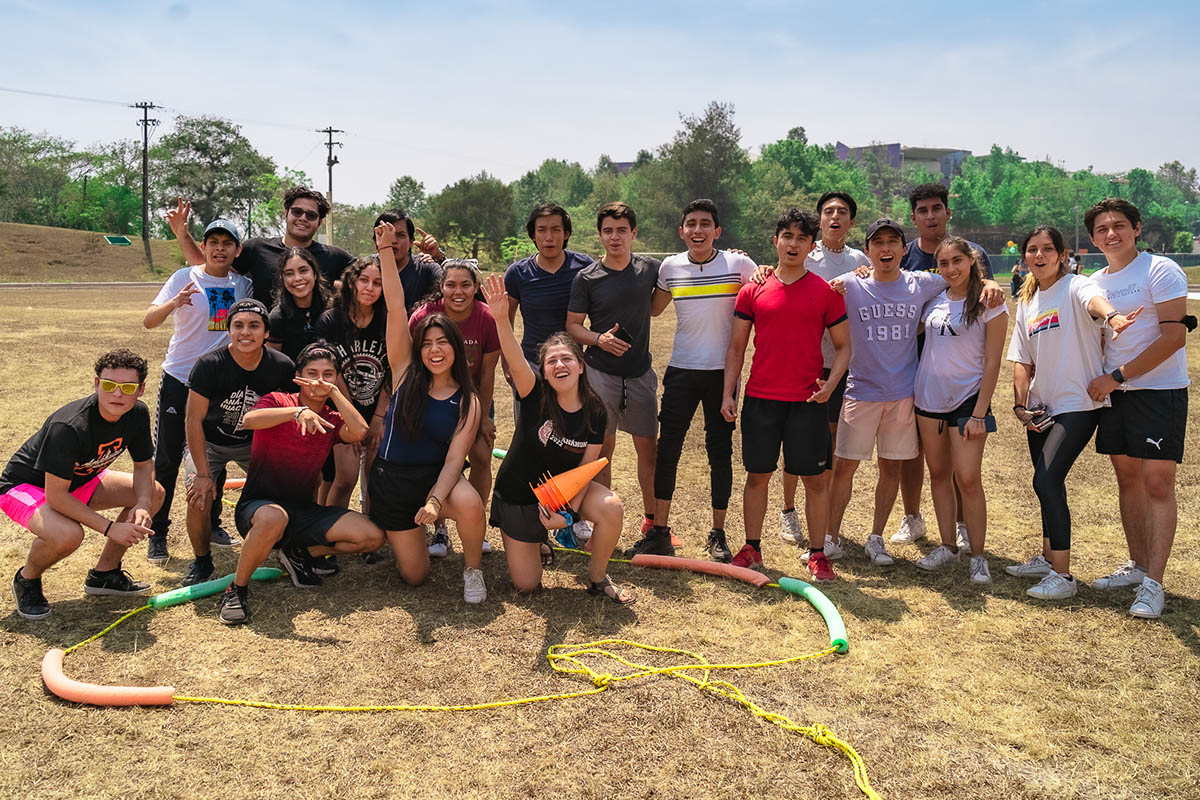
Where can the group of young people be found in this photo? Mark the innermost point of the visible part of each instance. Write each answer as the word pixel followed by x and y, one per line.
pixel 380 371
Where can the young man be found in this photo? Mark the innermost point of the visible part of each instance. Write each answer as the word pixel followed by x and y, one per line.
pixel 198 299
pixel 418 276
pixel 614 294
pixel 704 282
pixel 785 394
pixel 1146 382
pixel 294 434
pixel 223 386
pixel 55 483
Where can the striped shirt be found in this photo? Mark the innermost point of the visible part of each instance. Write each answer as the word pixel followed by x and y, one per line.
pixel 704 295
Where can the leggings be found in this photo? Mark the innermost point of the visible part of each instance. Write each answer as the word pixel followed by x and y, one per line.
pixel 683 390
pixel 169 440
pixel 1054 452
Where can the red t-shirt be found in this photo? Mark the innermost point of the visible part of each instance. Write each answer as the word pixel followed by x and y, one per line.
pixel 478 332
pixel 788 321
pixel 285 466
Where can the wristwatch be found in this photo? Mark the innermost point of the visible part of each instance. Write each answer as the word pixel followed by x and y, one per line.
pixel 1117 375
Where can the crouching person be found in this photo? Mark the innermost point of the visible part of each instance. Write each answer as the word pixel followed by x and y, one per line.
pixel 293 435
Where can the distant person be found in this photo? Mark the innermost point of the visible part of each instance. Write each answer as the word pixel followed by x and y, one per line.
pixel 55 483
pixel 1018 277
pixel 302 294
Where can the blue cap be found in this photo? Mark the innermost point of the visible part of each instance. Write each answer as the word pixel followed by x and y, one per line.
pixel 226 225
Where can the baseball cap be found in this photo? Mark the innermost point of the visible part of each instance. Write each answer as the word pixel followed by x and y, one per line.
pixel 885 222
pixel 249 305
pixel 226 225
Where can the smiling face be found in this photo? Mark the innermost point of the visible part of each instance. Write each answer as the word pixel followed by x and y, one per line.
pixel 436 352
pixel 561 368
pixel 698 232
pixel 303 219
pixel 617 236
pixel 322 369
pixel 835 221
pixel 1114 235
pixel 298 280
pixel 220 249
pixel 115 403
pixel 247 332
pixel 793 246
pixel 931 216
pixel 1044 260
pixel 955 266
pixel 549 236
pixel 368 287
pixel 885 250
pixel 458 290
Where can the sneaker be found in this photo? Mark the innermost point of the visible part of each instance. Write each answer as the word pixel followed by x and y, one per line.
pixel 657 542
pixel 487 546
pixel 819 568
pixel 27 592
pixel 298 567
pixel 833 550
pixel 200 571
pixel 113 581
pixel 718 549
pixel 473 589
pixel 156 549
pixel 961 540
pixel 877 552
pixel 937 558
pixel 219 537
pixel 1054 586
pixel 583 530
pixel 748 557
pixel 439 545
pixel 1036 567
pixel 979 570
pixel 912 527
pixel 325 565
pixel 789 528
pixel 1148 603
pixel 1126 575
pixel 234 608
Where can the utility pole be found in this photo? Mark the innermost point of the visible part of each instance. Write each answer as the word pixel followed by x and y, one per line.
pixel 146 124
pixel 330 160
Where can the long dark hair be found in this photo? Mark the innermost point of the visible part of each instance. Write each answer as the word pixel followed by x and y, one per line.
pixel 414 386
pixel 345 300
pixel 973 306
pixel 322 294
pixel 592 405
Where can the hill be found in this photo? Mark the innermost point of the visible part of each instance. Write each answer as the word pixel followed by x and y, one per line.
pixel 35 253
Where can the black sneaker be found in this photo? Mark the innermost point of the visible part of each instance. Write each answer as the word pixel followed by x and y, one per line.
pixel 219 537
pixel 31 603
pixel 298 567
pixel 234 608
pixel 718 550
pixel 114 581
pixel 373 557
pixel 656 542
pixel 156 549
pixel 200 571
pixel 325 565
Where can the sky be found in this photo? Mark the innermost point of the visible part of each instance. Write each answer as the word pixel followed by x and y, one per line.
pixel 441 93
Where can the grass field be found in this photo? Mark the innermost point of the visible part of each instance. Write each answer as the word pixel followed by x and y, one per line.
pixel 35 253
pixel 949 690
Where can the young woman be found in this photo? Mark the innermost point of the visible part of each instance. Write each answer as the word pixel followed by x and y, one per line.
pixel 431 422
pixel 964 343
pixel 560 426
pixel 301 296
pixel 1056 353
pixel 456 299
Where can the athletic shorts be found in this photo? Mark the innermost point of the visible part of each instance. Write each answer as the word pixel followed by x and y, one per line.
pixel 800 427
pixel 833 408
pixel 1144 423
pixel 631 403
pixel 22 501
pixel 517 521
pixel 398 491
pixel 951 417
pixel 886 425
pixel 218 457
pixel 308 523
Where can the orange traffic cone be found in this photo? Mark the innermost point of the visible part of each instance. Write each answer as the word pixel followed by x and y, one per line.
pixel 554 492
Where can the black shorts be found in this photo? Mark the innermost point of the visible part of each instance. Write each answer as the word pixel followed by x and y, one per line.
pixel 833 408
pixel 308 523
pixel 966 409
pixel 397 492
pixel 1144 423
pixel 517 521
pixel 801 428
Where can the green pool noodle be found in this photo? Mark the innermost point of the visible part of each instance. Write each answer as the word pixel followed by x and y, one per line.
pixel 498 453
pixel 194 592
pixel 824 607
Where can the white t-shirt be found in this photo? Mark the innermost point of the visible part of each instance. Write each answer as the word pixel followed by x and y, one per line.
pixel 951 366
pixel 704 295
pixel 1146 280
pixel 202 326
pixel 1056 334
pixel 829 265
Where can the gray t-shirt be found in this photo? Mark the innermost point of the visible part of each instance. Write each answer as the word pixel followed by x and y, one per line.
pixel 885 317
pixel 617 297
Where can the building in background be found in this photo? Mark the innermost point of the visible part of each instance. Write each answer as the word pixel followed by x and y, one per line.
pixel 943 161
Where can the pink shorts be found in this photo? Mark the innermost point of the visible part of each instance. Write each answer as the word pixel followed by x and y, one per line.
pixel 867 425
pixel 21 501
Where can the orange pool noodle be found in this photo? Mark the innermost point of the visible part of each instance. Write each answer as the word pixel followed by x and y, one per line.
pixel 95 694
pixel 554 493
pixel 235 483
pixel 707 567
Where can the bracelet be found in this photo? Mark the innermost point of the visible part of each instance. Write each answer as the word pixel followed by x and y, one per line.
pixel 106 529
pixel 1023 408
pixel 202 475
pixel 299 411
pixel 979 419
pixel 434 499
pixel 598 335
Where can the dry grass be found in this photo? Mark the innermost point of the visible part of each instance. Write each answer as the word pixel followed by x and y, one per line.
pixel 949 690
pixel 35 253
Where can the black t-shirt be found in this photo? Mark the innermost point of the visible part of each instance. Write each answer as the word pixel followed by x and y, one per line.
pixel 232 391
pixel 296 332
pixel 76 444
pixel 362 356
pixel 917 260
pixel 537 448
pixel 609 297
pixel 419 281
pixel 259 259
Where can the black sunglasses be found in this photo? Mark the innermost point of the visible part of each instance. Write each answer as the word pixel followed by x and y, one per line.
pixel 311 216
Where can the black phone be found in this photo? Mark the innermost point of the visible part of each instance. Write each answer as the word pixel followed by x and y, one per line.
pixel 624 336
pixel 989 424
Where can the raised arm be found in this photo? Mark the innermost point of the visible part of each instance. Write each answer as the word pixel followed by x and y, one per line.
pixel 177 221
pixel 397 337
pixel 497 298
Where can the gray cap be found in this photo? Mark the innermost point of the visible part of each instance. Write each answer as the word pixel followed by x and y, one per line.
pixel 226 225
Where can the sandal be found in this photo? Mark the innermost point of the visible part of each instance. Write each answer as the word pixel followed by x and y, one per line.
pixel 547 555
pixel 622 597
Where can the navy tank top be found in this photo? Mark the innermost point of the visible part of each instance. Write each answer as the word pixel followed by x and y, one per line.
pixel 432 442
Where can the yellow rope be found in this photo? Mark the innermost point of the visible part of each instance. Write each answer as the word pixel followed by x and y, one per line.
pixel 91 639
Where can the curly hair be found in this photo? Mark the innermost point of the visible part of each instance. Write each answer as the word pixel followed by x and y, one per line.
pixel 123 358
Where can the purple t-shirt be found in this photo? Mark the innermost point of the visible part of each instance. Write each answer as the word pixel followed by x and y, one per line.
pixel 885 317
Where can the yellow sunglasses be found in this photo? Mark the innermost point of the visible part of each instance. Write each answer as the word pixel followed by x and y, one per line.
pixel 111 386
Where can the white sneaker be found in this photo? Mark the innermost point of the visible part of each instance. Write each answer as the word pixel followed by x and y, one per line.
pixel 832 550
pixel 979 570
pixel 912 527
pixel 1036 567
pixel 1128 574
pixel 1054 586
pixel 1148 603
pixel 583 530
pixel 789 528
pixel 473 589
pixel 439 545
pixel 877 552
pixel 938 558
pixel 961 540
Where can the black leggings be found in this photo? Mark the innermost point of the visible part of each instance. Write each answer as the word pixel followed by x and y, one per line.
pixel 1054 452
pixel 683 390
pixel 169 440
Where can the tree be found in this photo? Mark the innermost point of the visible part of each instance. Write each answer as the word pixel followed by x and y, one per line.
pixel 34 173
pixel 1175 174
pixel 407 194
pixel 473 214
pixel 355 228
pixel 555 181
pixel 1183 242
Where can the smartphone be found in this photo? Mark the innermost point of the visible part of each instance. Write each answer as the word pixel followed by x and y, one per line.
pixel 989 424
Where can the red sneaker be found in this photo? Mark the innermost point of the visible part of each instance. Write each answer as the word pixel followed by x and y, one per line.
pixel 748 557
pixel 819 568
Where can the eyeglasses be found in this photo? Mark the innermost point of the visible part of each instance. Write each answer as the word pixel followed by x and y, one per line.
pixel 311 216
pixel 111 386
